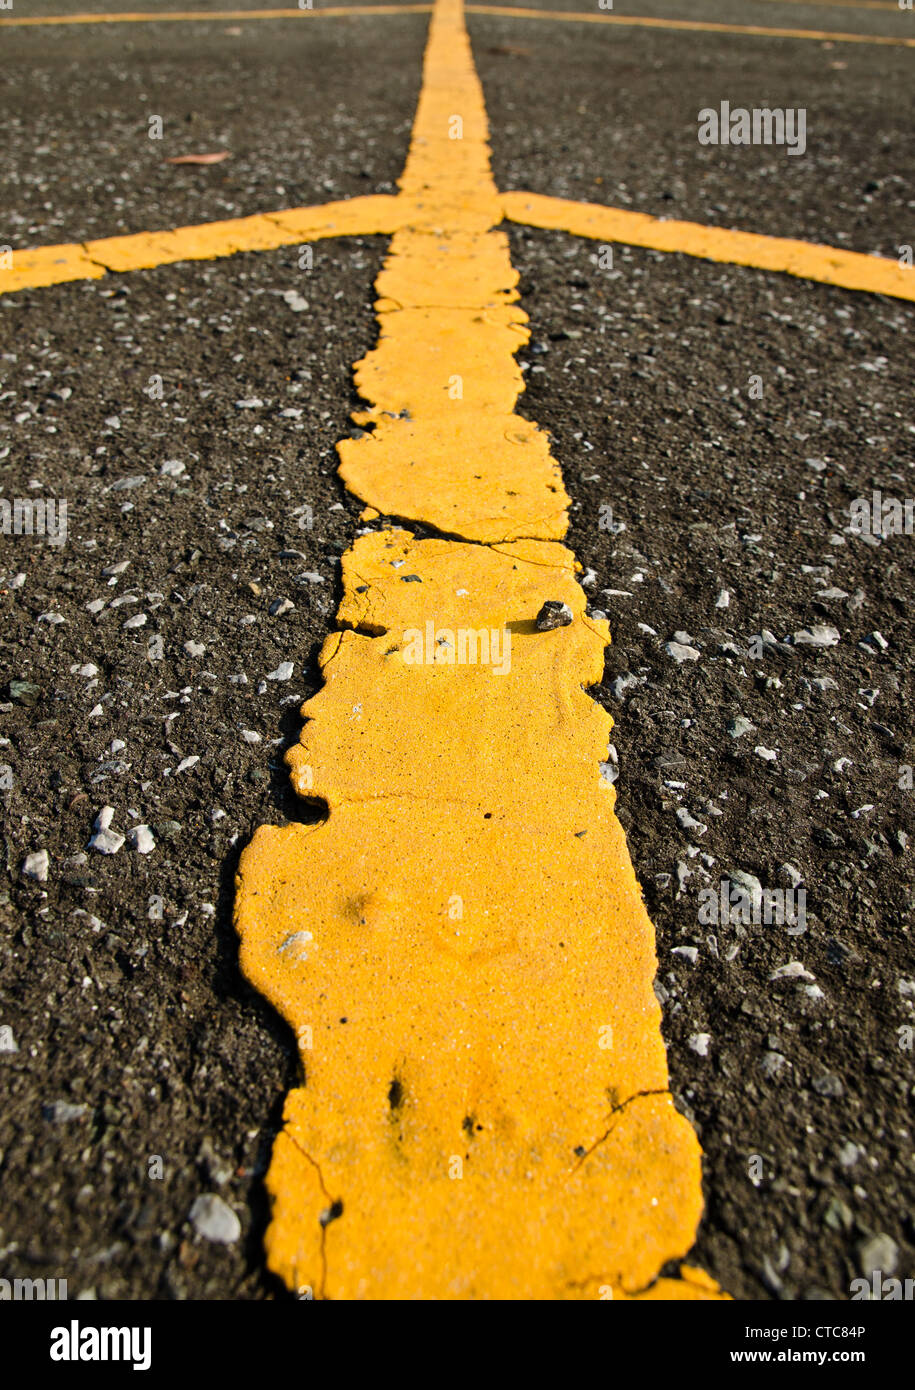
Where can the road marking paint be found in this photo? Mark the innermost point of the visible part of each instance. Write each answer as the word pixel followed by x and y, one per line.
pixel 461 945
pixel 687 25
pixel 90 260
pixel 826 264
pixel 183 16
pixel 382 214
pixel 340 11
pixel 48 265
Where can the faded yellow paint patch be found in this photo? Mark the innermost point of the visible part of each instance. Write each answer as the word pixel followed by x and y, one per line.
pixel 461 944
pixel 696 26
pixel 53 265
pixel 827 264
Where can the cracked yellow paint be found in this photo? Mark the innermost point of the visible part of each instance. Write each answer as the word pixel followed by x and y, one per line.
pixel 461 944
pixel 446 257
pixel 46 265
pixel 455 586
pixel 827 264
pixel 266 231
pixel 446 447
pixel 463 951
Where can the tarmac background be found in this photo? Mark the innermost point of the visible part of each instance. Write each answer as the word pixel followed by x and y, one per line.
pixel 641 374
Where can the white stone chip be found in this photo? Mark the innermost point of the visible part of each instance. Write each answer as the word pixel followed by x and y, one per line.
pixel 36 866
pixel 141 838
pixel 213 1219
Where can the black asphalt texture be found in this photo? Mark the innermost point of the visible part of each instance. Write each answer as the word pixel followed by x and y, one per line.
pixel 189 414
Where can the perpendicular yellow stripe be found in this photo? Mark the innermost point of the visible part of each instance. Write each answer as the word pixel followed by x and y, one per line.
pixel 504 11
pixel 849 269
pixel 687 25
pixel 381 214
pixel 174 16
pixel 461 945
pixel 55 265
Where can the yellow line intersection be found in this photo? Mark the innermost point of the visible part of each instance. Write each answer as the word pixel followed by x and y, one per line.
pixel 499 11
pixel 34 268
pixel 382 215
pixel 485 1109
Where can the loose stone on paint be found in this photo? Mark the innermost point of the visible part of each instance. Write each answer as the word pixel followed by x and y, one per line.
pixel 553 614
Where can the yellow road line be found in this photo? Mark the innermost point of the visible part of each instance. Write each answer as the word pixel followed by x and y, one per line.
pixel 176 16
pixel 827 264
pixel 89 260
pixel 504 11
pixel 381 214
pixel 687 25
pixel 461 945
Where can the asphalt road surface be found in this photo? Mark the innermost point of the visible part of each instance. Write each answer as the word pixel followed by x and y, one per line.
pixel 139 1069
